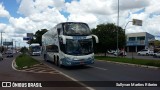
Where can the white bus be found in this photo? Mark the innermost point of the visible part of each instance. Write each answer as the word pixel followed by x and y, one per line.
pixel 35 49
pixel 69 44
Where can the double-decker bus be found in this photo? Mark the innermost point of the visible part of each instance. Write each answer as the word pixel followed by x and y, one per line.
pixel 69 44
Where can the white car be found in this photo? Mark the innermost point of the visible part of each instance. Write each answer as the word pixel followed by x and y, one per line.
pixel 121 53
pixel 157 54
pixel 111 51
pixel 145 52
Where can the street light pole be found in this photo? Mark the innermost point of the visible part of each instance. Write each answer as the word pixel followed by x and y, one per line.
pixel 12 45
pixel 126 26
pixel 1 41
pixel 19 45
pixel 15 45
pixel 117 27
pixel 125 34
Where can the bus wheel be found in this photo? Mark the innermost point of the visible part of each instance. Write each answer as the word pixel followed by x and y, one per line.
pixel 54 60
pixel 45 57
pixel 58 62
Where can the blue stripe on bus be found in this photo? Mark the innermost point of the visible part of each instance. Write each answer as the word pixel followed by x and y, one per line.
pixel 67 62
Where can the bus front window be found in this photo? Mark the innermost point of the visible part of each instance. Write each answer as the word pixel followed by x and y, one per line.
pixel 36 48
pixel 79 47
pixel 76 29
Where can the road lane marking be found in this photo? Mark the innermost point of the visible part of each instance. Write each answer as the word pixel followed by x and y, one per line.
pixel 32 70
pixel 97 67
pixel 90 88
pixel 60 72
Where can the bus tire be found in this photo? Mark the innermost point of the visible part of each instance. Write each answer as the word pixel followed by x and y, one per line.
pixel 54 60
pixel 58 62
pixel 45 57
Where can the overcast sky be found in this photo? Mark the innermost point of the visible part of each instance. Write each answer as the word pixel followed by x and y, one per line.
pixel 18 17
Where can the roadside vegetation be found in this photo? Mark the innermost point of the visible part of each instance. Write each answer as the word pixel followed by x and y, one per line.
pixel 106 34
pixel 25 61
pixel 155 63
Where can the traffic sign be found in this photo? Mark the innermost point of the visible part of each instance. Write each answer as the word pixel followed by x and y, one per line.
pixel 137 22
pixel 30 35
pixel 7 43
pixel 26 38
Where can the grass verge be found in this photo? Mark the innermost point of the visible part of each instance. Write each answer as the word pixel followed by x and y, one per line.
pixel 24 60
pixel 155 63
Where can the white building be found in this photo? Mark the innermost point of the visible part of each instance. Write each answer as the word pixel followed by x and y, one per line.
pixel 138 41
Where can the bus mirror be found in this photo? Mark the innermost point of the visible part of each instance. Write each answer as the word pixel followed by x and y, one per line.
pixel 63 39
pixel 96 38
pixel 58 30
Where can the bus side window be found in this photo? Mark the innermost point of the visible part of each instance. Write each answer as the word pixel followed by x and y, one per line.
pixel 59 31
pixel 62 46
pixel 52 48
pixel 55 48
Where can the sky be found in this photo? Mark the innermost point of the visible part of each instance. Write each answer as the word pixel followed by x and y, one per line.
pixel 18 17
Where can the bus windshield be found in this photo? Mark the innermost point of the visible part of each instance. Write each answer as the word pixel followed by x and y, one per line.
pixel 76 29
pixel 79 47
pixel 35 48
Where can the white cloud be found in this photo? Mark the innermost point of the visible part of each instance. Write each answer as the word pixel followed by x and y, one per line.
pixel 26 7
pixel 130 4
pixel 3 12
pixel 2 26
pixel 100 7
pixel 39 14
pixel 29 7
pixel 154 7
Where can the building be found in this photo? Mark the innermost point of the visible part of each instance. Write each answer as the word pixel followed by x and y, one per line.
pixel 138 41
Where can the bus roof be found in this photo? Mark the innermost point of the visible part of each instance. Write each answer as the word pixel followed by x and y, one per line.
pixel 35 44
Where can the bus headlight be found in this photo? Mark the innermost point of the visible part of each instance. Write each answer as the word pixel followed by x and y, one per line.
pixel 68 61
pixel 91 58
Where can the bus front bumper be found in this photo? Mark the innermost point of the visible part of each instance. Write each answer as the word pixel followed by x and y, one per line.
pixel 68 62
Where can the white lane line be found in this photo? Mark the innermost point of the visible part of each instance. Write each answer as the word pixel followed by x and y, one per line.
pixel 97 67
pixel 90 88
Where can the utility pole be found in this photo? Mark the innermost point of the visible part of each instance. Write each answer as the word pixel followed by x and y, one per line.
pixel 19 45
pixel 15 45
pixel 117 27
pixel 1 41
pixel 12 45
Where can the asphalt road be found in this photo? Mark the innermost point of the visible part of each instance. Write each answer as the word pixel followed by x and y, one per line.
pixel 7 73
pixel 105 71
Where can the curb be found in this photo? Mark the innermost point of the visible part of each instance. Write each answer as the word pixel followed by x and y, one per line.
pixel 137 65
pixel 14 66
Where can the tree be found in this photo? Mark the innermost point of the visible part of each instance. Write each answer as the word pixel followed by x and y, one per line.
pixel 156 43
pixel 24 50
pixel 107 34
pixel 38 36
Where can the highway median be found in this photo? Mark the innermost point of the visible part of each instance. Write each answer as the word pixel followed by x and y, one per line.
pixel 25 61
pixel 154 63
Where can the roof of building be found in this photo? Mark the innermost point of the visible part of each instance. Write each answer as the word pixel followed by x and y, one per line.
pixel 139 34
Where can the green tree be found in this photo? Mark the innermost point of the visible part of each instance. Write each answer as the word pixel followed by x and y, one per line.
pixel 156 43
pixel 38 36
pixel 107 34
pixel 24 50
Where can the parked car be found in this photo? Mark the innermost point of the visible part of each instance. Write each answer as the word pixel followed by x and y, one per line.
pixel 111 51
pixel 157 54
pixel 145 52
pixel 121 53
pixel 1 56
pixel 9 54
